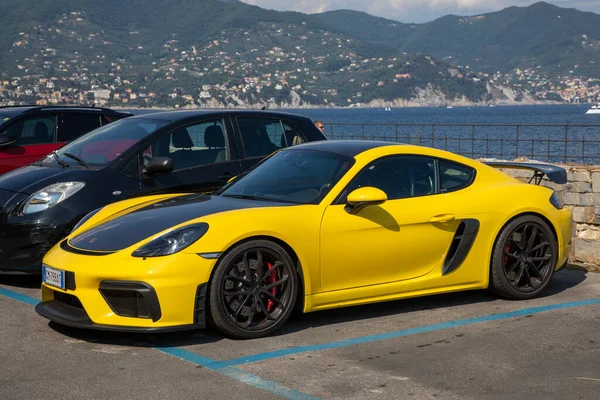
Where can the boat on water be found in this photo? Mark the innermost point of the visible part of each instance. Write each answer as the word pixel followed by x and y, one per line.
pixel 595 109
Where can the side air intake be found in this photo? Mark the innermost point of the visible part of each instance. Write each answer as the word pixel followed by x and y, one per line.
pixel 461 245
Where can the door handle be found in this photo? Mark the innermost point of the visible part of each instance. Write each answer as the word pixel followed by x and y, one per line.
pixel 443 218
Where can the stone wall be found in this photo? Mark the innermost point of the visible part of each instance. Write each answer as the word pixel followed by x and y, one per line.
pixel 581 193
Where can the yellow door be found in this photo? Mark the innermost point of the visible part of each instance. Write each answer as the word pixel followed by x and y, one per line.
pixel 394 241
pixel 403 238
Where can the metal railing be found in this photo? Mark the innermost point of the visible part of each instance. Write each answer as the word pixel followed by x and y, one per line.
pixel 569 143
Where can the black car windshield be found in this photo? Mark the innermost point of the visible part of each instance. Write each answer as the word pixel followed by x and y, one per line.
pixel 102 145
pixel 6 115
pixel 294 176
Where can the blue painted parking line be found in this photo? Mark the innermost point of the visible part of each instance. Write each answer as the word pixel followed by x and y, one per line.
pixel 197 359
pixel 23 298
pixel 395 334
pixel 226 367
pixel 237 374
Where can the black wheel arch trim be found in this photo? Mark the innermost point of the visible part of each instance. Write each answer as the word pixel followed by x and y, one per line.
pixel 200 304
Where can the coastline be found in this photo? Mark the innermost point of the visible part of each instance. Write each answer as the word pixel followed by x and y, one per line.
pixel 371 105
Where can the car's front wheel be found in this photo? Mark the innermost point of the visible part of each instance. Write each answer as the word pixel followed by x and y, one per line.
pixel 253 290
pixel 524 258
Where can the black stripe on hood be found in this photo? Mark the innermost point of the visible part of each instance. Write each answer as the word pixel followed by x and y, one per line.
pixel 138 225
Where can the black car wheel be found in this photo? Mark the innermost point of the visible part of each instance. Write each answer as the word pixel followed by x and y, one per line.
pixel 253 290
pixel 524 258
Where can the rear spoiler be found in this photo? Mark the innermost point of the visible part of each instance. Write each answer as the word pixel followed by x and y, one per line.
pixel 554 173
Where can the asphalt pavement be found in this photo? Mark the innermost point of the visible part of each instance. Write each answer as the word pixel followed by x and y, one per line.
pixel 468 345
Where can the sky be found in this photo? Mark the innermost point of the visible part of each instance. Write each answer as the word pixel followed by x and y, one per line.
pixel 415 10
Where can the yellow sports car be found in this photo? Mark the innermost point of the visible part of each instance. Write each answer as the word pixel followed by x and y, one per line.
pixel 314 226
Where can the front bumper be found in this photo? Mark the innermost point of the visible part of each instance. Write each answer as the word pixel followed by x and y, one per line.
pixel 24 239
pixel 124 293
pixel 67 310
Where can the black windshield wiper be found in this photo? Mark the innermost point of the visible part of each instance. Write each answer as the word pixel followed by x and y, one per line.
pixel 247 197
pixel 79 160
pixel 59 161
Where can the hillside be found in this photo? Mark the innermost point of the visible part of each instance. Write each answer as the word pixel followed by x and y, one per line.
pixel 552 39
pixel 226 53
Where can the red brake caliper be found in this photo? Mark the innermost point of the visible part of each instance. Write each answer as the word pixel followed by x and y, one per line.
pixel 272 278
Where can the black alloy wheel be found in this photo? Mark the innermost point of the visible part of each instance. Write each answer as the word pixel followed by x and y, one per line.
pixel 253 290
pixel 524 259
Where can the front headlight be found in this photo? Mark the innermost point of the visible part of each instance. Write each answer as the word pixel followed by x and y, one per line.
pixel 172 242
pixel 51 196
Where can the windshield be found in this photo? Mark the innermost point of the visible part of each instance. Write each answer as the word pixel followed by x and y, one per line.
pixel 294 176
pixel 102 145
pixel 6 115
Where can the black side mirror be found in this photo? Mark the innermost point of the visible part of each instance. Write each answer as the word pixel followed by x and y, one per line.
pixel 6 140
pixel 159 165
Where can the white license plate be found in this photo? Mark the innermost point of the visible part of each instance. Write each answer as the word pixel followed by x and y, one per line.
pixel 54 277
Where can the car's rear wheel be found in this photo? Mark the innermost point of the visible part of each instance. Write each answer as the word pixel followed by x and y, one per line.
pixel 253 290
pixel 524 258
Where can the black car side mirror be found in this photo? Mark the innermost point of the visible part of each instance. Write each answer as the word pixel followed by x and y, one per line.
pixel 159 165
pixel 6 140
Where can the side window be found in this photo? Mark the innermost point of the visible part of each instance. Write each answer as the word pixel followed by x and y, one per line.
pixel 34 130
pixel 107 119
pixel 399 177
pixel 260 136
pixel 191 146
pixel 454 176
pixel 291 136
pixel 75 125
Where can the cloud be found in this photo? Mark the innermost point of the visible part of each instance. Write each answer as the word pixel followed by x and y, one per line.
pixel 414 10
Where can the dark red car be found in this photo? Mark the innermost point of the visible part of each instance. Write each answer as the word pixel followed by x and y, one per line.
pixel 28 133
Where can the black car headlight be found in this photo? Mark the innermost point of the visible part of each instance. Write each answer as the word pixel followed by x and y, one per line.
pixel 172 242
pixel 85 219
pixel 50 196
pixel 557 201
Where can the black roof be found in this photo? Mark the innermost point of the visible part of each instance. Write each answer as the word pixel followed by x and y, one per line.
pixel 174 115
pixel 349 148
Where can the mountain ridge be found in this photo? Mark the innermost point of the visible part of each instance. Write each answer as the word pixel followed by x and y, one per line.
pixel 228 53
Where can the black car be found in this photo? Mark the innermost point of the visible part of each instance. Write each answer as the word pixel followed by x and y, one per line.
pixel 28 133
pixel 166 152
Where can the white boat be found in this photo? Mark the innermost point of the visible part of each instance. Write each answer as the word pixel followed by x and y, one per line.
pixel 594 110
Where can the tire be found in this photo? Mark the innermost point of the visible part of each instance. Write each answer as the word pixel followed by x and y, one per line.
pixel 246 308
pixel 524 258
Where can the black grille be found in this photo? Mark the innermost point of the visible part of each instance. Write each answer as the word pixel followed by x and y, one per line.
pixel 131 299
pixel 67 299
pixel 127 303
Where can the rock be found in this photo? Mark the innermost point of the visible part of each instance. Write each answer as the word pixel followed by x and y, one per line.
pixel 586 199
pixel 578 176
pixel 587 250
pixel 579 187
pixel 572 198
pixel 596 182
pixel 589 232
pixel 584 214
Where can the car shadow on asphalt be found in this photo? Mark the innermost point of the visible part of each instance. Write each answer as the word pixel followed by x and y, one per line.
pixel 33 281
pixel 563 280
